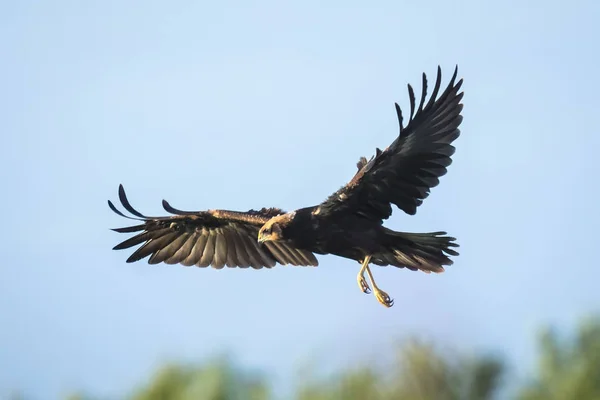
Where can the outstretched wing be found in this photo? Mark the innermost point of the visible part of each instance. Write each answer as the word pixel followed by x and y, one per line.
pixel 214 238
pixel 404 173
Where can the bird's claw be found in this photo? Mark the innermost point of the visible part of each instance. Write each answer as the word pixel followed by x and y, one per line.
pixel 384 298
pixel 362 284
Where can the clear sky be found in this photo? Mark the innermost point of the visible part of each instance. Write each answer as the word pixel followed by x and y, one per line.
pixel 240 105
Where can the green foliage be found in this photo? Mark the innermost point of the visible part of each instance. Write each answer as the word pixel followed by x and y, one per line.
pixel 420 373
pixel 567 369
pixel 361 383
pixel 216 381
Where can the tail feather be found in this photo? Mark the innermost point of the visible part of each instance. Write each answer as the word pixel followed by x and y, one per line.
pixel 428 252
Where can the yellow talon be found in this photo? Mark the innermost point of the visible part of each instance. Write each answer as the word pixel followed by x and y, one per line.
pixel 380 295
pixel 360 278
pixel 362 284
pixel 383 298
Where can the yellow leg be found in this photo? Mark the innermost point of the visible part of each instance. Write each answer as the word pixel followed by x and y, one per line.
pixel 360 278
pixel 381 296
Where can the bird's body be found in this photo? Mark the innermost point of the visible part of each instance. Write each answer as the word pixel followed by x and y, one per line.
pixel 348 224
pixel 351 237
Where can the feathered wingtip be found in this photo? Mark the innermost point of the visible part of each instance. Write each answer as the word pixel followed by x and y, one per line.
pixel 422 107
pixel 137 215
pixel 125 203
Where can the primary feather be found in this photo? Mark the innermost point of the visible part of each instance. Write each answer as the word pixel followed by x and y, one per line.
pixel 214 238
pixel 404 173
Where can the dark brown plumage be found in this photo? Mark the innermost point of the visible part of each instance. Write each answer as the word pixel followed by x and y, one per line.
pixel 349 223
pixel 214 238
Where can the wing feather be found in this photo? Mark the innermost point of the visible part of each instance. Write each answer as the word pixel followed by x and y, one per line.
pixel 207 255
pixel 170 249
pixel 306 257
pixel 184 250
pixel 258 254
pixel 220 249
pixel 404 173
pixel 291 255
pixel 240 250
pixel 214 238
pixel 309 257
pixel 151 246
pixel 278 254
pixel 127 205
pixel 196 247
pixel 254 258
pixel 232 258
pixel 141 238
pixel 302 259
pixel 130 229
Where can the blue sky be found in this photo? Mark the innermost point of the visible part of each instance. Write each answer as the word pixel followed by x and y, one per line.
pixel 250 104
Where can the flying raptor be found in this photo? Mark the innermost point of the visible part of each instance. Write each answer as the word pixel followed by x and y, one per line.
pixel 348 224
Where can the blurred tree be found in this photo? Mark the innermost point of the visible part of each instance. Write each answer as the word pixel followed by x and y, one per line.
pixel 16 395
pixel 420 373
pixel 567 369
pixel 425 373
pixel 78 396
pixel 357 384
pixel 215 381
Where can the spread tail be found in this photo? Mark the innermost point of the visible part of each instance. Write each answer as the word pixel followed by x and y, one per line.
pixel 428 252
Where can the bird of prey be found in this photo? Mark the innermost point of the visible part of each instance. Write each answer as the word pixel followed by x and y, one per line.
pixel 348 224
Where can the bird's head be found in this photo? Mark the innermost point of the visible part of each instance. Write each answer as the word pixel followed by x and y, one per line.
pixel 272 230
